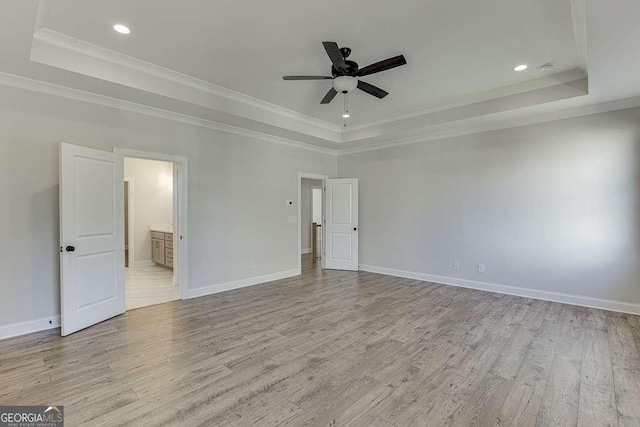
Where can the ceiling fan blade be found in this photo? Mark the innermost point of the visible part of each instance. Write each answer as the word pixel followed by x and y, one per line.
pixel 329 96
pixel 307 78
pixel 335 55
pixel 387 64
pixel 371 89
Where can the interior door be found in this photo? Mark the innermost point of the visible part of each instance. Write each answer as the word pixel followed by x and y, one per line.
pixel 91 236
pixel 342 224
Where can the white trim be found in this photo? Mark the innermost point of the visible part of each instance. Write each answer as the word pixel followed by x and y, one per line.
pixel 242 283
pixel 29 327
pixel 584 301
pixel 502 92
pixel 60 50
pixel 322 178
pixel 579 20
pixel 63 51
pixel 487 123
pixel 131 221
pixel 143 263
pixel 306 251
pixel 181 234
pixel 32 85
pixel 463 127
pixel 474 125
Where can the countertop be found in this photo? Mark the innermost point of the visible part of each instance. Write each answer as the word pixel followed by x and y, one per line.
pixel 161 228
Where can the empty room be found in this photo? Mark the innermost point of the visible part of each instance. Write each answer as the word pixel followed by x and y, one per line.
pixel 354 213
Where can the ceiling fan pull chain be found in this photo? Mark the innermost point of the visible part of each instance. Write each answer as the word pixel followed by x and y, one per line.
pixel 346 114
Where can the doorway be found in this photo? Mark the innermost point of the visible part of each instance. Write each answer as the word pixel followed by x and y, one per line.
pixel 156 227
pixel 310 220
pixel 149 232
pixel 92 227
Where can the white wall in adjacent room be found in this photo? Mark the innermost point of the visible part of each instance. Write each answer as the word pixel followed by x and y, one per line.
pixel 553 207
pixel 152 200
pixel 238 187
pixel 306 210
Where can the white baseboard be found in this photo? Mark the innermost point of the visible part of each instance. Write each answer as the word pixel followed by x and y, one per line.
pixel 144 263
pixel 306 251
pixel 604 304
pixel 29 327
pixel 236 284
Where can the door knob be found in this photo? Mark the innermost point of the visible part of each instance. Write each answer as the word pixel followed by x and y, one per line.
pixel 70 248
pixel 355 229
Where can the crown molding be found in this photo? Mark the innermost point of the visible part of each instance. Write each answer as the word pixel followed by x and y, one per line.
pixel 62 51
pixel 579 20
pixel 447 130
pixel 489 123
pixel 39 86
pixel 532 85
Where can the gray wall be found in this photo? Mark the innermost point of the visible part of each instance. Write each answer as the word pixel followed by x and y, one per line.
pixel 552 207
pixel 306 213
pixel 238 189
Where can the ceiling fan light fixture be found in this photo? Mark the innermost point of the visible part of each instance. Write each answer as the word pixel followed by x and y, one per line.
pixel 345 84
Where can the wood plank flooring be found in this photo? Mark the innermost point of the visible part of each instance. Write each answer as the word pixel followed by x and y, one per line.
pixel 333 348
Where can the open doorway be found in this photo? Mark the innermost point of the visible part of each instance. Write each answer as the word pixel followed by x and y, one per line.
pixel 150 209
pixel 311 218
pixel 311 214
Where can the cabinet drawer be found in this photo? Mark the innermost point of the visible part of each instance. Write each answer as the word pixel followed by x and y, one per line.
pixel 168 252
pixel 168 243
pixel 168 236
pixel 157 235
pixel 168 262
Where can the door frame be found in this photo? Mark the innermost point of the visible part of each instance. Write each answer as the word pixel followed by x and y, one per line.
pixel 318 177
pixel 131 234
pixel 181 211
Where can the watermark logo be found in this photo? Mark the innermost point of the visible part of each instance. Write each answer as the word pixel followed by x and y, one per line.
pixel 31 416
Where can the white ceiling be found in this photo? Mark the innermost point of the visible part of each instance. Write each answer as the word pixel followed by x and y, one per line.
pixel 459 76
pixel 454 48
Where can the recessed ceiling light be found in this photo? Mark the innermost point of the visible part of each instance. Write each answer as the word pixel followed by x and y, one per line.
pixel 520 68
pixel 122 29
pixel 346 115
pixel 547 67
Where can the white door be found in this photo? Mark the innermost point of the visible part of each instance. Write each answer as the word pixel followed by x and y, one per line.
pixel 91 236
pixel 342 224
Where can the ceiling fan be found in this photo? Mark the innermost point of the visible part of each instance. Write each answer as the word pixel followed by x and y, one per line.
pixel 345 73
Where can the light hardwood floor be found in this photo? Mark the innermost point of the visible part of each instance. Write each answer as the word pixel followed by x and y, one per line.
pixel 145 286
pixel 338 348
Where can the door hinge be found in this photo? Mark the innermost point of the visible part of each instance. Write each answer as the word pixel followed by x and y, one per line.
pixel 60 249
pixel 180 237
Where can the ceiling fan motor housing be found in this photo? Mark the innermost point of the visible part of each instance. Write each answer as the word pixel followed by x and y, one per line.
pixel 351 67
pixel 345 84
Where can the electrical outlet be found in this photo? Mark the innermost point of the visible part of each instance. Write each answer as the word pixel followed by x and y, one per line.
pixel 456 265
pixel 252 265
pixel 480 268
